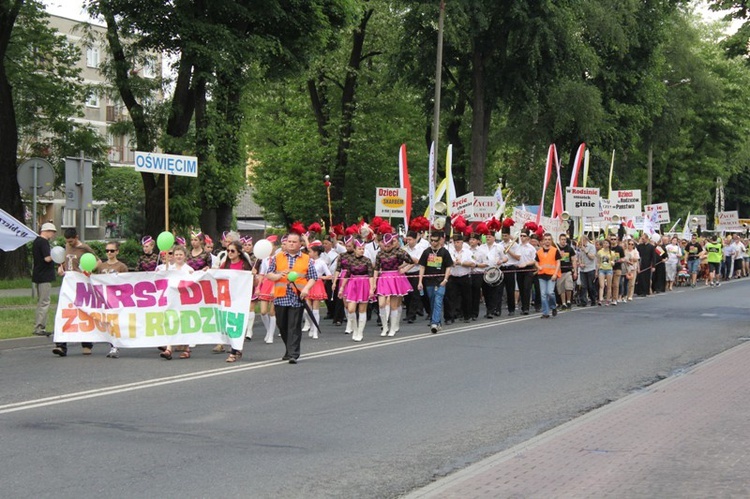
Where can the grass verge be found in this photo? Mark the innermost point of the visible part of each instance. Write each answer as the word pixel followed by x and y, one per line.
pixel 24 283
pixel 17 316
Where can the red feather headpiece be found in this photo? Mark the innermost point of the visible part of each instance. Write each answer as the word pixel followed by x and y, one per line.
pixel 384 227
pixel 419 224
pixel 352 230
pixel 375 222
pixel 297 228
pixel 508 222
pixel 459 223
pixel 531 226
pixel 314 227
pixel 483 228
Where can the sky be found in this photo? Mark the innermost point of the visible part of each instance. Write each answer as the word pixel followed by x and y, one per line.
pixel 73 9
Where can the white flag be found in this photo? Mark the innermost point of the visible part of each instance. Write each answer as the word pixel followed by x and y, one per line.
pixel 13 234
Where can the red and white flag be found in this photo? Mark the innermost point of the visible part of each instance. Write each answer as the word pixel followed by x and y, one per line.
pixel 551 161
pixel 403 178
pixel 577 165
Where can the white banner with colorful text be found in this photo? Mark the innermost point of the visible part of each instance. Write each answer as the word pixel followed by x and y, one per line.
pixel 150 309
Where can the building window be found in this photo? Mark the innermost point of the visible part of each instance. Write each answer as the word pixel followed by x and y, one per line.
pixel 149 68
pixel 69 217
pixel 93 100
pixel 92 218
pixel 92 57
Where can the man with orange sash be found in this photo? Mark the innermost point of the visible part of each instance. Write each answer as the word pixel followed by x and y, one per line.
pixel 548 270
pixel 289 293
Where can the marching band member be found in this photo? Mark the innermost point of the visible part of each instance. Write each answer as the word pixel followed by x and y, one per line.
pixel 265 295
pixel 510 267
pixel 198 258
pixel 526 255
pixel 480 257
pixel 390 265
pixel 357 288
pixel 415 246
pixel 458 292
pixel 318 292
pixel 148 261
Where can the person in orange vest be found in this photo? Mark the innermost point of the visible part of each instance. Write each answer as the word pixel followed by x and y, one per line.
pixel 548 270
pixel 289 290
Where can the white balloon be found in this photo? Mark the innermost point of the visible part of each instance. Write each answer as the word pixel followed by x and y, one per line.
pixel 262 249
pixel 656 238
pixel 58 254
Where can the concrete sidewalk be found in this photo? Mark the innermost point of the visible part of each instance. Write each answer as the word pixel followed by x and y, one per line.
pixel 685 436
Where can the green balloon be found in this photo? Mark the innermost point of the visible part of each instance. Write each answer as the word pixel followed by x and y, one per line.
pixel 165 241
pixel 292 276
pixel 484 239
pixel 88 262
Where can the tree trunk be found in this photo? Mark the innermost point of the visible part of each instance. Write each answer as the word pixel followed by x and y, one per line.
pixel 453 134
pixel 12 264
pixel 348 107
pixel 177 126
pixel 480 124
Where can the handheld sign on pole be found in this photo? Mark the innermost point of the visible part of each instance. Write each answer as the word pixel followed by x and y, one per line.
pixel 166 164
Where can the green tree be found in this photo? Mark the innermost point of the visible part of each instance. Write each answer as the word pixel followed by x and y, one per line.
pixel 217 44
pixel 346 118
pixel 40 91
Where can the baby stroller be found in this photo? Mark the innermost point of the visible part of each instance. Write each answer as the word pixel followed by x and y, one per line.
pixel 683 276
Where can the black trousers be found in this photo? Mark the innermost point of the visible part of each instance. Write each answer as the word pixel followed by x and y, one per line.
pixel 476 294
pixel 493 296
pixel 525 279
pixel 331 299
pixel 589 287
pixel 458 297
pixel 414 302
pixel 338 304
pixel 509 286
pixel 289 322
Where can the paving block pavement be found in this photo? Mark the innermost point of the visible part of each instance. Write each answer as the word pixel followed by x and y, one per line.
pixel 686 436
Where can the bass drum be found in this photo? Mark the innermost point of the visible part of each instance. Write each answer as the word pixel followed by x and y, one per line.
pixel 493 276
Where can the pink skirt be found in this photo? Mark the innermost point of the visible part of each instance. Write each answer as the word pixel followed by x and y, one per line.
pixel 265 290
pixel 393 283
pixel 358 289
pixel 318 291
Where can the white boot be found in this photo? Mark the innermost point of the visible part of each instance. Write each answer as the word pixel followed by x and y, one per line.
pixel 264 319
pixel 316 316
pixel 359 335
pixel 395 322
pixel 384 320
pixel 249 326
pixel 351 322
pixel 270 329
pixel 305 323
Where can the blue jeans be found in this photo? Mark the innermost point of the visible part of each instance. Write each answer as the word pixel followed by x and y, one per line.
pixel 548 295
pixel 436 295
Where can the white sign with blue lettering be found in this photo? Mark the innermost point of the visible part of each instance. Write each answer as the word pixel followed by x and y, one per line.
pixel 166 164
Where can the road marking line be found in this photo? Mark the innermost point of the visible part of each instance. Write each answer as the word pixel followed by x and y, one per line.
pixel 181 378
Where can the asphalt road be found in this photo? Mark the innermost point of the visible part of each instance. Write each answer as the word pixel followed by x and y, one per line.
pixel 375 419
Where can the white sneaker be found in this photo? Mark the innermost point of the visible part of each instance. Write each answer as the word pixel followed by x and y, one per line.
pixel 114 353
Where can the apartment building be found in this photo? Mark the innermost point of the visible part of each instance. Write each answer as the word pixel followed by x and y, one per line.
pixel 100 111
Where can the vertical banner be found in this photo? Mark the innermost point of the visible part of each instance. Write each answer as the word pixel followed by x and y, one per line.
pixel 404 181
pixel 150 309
pixel 451 186
pixel 431 181
pixel 577 165
pixel 551 160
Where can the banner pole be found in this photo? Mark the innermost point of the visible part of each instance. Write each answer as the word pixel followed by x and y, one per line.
pixel 166 202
